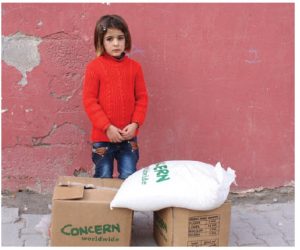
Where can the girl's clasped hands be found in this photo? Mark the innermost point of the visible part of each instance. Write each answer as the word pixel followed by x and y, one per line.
pixel 117 135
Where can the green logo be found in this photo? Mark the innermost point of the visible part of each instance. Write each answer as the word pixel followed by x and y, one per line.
pixel 145 176
pixel 162 172
pixel 70 230
pixel 160 223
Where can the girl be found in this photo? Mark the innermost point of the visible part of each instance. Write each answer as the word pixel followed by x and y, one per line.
pixel 115 99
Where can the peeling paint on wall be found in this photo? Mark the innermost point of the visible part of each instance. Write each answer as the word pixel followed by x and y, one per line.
pixel 21 51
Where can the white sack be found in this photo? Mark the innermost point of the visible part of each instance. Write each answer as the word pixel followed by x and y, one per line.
pixel 186 184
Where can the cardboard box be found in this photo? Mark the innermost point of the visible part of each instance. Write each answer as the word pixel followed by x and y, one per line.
pixel 81 215
pixel 184 227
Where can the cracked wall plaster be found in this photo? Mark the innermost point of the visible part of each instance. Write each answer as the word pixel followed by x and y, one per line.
pixel 21 51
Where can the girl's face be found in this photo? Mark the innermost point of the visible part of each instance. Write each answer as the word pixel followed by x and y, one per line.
pixel 114 42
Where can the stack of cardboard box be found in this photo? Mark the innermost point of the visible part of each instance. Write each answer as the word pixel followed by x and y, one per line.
pixel 81 216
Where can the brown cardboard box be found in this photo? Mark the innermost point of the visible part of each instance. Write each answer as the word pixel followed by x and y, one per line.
pixel 81 215
pixel 184 227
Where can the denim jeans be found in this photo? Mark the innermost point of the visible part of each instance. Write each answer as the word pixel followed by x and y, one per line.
pixel 126 153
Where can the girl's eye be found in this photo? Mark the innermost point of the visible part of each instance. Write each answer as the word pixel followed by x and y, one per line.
pixel 119 38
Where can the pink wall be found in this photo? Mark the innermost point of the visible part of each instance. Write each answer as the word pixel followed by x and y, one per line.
pixel 220 79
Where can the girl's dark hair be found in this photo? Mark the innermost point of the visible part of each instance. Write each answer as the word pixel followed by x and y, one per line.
pixel 110 22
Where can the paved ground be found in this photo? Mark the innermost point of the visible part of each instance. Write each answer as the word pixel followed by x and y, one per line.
pixel 261 217
pixel 254 222
pixel 251 225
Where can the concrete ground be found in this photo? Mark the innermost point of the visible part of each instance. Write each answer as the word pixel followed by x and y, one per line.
pixel 264 218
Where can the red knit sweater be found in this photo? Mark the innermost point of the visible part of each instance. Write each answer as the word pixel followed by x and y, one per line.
pixel 114 92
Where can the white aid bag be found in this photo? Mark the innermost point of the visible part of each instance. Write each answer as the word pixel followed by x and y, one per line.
pixel 187 184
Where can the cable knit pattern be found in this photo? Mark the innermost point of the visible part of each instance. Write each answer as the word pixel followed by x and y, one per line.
pixel 114 92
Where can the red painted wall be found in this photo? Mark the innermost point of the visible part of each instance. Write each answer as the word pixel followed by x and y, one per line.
pixel 220 79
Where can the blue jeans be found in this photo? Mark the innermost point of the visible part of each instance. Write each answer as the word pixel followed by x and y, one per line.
pixel 126 153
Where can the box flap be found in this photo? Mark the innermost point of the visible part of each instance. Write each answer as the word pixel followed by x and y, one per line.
pixel 93 182
pixel 68 192
pixel 100 196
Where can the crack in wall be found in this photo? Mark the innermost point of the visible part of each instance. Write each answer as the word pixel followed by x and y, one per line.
pixel 60 35
pixel 64 97
pixel 21 51
pixel 39 141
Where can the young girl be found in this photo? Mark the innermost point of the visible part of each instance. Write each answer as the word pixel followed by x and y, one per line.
pixel 115 99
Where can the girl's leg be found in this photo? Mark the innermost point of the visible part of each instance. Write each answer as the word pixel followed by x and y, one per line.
pixel 127 158
pixel 103 160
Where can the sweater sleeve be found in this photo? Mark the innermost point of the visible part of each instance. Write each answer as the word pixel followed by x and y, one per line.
pixel 91 103
pixel 141 98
